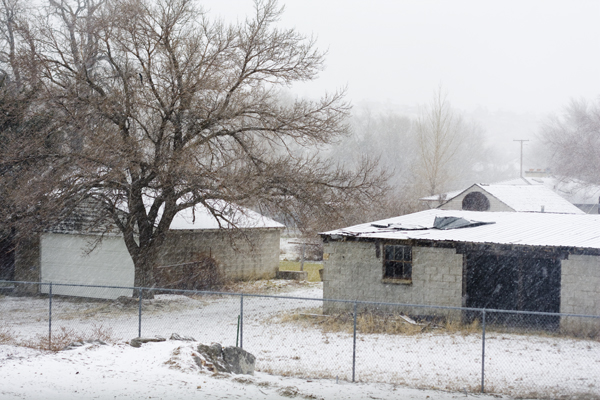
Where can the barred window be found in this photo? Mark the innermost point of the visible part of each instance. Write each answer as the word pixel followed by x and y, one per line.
pixel 397 263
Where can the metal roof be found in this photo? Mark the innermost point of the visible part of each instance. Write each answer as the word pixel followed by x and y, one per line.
pixel 508 228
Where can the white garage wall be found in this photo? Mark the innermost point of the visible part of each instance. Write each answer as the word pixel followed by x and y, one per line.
pixel 64 259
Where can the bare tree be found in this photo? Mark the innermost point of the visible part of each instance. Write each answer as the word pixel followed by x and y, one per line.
pixel 165 109
pixel 573 139
pixel 29 163
pixel 446 145
pixel 388 136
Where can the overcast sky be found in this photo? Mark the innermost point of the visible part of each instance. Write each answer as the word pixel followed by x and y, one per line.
pixel 526 56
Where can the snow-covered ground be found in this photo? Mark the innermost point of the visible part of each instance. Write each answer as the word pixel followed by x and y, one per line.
pixel 165 371
pixel 386 365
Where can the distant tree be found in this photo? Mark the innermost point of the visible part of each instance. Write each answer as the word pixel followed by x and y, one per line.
pixel 385 135
pixel 573 140
pixel 164 109
pixel 29 163
pixel 447 146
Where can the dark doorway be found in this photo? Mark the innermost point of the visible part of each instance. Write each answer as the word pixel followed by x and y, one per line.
pixel 517 282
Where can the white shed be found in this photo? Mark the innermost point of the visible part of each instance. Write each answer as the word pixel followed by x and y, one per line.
pixel 69 254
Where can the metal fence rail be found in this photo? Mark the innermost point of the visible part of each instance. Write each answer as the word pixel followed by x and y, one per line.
pixel 519 353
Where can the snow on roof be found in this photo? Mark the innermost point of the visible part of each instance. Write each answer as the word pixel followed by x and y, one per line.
pixel 531 198
pixel 512 182
pixel 509 228
pixel 443 196
pixel 199 217
pixel 573 190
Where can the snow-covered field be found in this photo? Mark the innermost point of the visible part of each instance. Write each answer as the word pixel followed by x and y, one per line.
pixel 288 354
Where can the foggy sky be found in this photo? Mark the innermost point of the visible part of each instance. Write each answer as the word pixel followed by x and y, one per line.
pixel 526 56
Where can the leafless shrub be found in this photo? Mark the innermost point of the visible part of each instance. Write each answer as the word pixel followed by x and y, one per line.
pixel 202 274
pixel 102 333
pixel 6 336
pixel 63 337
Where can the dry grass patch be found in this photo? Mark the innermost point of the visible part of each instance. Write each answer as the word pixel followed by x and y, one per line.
pixel 267 286
pixel 64 337
pixel 377 323
pixel 6 336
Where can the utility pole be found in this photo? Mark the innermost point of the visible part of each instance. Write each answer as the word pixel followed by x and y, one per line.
pixel 521 140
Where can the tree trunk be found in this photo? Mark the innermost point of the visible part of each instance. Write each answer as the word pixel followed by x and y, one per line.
pixel 144 273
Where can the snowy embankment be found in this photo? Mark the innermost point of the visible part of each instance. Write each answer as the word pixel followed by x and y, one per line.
pixel 516 365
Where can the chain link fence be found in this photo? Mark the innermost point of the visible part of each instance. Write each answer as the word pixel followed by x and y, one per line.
pixel 521 354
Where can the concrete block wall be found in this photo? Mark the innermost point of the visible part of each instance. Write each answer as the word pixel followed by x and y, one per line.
pixel 352 271
pixel 247 254
pixel 580 293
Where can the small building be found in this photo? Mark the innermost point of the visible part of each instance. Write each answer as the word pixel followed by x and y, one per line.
pixel 497 260
pixel 527 194
pixel 502 197
pixel 78 251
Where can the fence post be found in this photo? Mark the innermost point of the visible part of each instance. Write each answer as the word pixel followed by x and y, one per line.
pixel 50 317
pixel 140 290
pixel 237 334
pixel 354 347
pixel 242 321
pixel 302 259
pixel 483 351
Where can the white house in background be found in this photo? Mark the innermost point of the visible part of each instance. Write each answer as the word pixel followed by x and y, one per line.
pixel 71 254
pixel 519 198
pixel 584 195
pixel 580 194
pixel 526 261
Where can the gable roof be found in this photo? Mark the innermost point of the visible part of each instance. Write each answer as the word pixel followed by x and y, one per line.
pixel 573 190
pixel 527 198
pixel 507 228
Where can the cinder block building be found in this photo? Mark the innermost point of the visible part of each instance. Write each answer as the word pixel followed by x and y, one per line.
pixel 497 260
